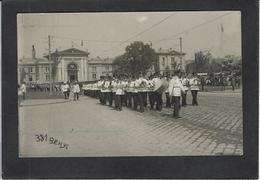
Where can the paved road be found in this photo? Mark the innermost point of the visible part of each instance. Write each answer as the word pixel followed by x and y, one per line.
pixel 86 128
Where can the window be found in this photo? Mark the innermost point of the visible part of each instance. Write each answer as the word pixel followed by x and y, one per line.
pixel 30 69
pixel 107 68
pixel 94 68
pixel 47 77
pixel 172 60
pixel 163 61
pixel 30 78
pixel 94 76
pixel 47 69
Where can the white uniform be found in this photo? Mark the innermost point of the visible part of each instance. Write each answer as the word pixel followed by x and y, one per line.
pixel 141 84
pixel 65 88
pixel 185 83
pixel 23 88
pixel 194 84
pixel 120 87
pixel 107 86
pixel 175 87
pixel 114 86
pixel 76 88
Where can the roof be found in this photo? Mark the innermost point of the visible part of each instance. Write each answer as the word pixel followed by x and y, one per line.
pixel 168 52
pixel 33 61
pixel 69 52
pixel 99 60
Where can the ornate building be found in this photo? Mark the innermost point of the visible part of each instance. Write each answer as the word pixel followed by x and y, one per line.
pixel 170 60
pixel 67 65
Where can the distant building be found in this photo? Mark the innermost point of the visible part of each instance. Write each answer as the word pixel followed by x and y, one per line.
pixel 70 65
pixel 98 67
pixel 67 65
pixel 170 60
pixel 33 70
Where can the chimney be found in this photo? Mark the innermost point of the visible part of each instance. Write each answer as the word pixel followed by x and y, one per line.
pixel 33 52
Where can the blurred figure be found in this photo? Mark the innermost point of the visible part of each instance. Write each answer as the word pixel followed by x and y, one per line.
pixel 185 84
pixel 194 88
pixel 76 90
pixel 23 89
pixel 167 96
pixel 20 95
pixel 175 89
pixel 202 82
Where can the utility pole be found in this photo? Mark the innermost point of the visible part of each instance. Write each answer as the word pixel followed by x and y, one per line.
pixel 50 68
pixel 181 52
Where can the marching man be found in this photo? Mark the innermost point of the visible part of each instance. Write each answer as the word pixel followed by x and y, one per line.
pixel 76 90
pixel 185 83
pixel 194 88
pixel 175 89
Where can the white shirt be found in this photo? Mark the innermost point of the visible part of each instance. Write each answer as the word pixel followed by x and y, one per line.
pixel 23 88
pixel 99 84
pixel 194 84
pixel 175 87
pixel 185 82
pixel 114 86
pixel 64 87
pixel 120 86
pixel 76 88
pixel 107 84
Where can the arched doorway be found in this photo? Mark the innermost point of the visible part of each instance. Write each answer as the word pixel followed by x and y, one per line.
pixel 72 72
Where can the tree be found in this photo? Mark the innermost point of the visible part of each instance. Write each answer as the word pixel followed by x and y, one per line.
pixel 214 66
pixel 138 57
pixel 202 61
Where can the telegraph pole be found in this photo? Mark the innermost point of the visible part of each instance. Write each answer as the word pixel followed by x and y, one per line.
pixel 50 68
pixel 181 51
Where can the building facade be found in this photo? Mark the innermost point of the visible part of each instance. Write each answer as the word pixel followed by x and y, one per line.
pixel 98 67
pixel 170 60
pixel 33 70
pixel 67 65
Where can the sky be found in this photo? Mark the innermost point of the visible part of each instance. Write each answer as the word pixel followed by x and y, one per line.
pixel 107 34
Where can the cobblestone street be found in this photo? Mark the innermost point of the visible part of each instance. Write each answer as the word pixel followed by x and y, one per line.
pixel 90 129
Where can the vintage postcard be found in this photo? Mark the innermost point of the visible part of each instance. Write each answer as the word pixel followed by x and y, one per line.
pixel 130 84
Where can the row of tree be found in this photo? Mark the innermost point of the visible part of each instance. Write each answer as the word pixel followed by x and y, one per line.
pixel 205 63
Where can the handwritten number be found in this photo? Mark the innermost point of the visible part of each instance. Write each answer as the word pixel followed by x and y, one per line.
pixel 51 140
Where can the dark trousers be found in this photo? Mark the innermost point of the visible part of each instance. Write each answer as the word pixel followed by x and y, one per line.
pixel 158 100
pixel 136 100
pixel 100 96
pixel 106 97
pixel 176 102
pixel 118 102
pixel 144 96
pixel 151 98
pixel 141 101
pixel 110 98
pixel 124 100
pixel 194 94
pixel 76 96
pixel 114 98
pixel 233 87
pixel 168 100
pixel 184 98
pixel 129 99
pixel 23 95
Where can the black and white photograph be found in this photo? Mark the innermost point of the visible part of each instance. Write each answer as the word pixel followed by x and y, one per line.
pixel 117 84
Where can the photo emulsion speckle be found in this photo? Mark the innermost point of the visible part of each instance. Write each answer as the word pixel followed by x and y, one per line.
pixel 130 84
